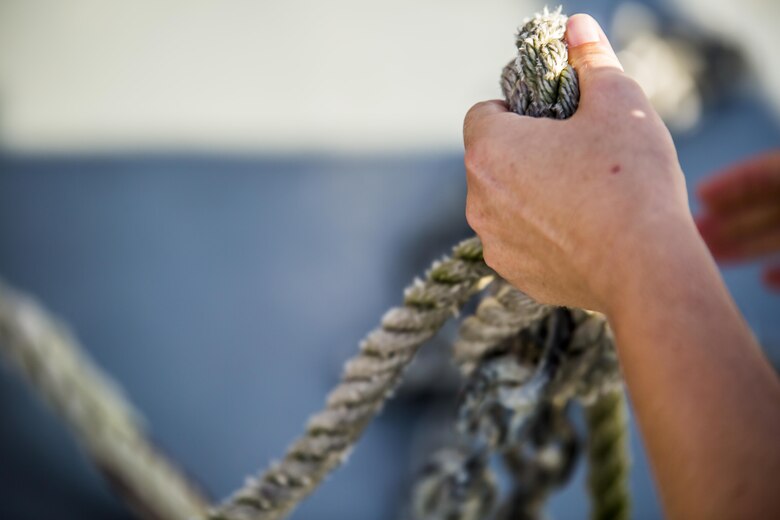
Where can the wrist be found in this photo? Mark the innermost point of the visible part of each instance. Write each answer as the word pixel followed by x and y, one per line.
pixel 658 259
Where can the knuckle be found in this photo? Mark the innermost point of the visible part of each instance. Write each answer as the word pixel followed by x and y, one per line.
pixel 471 221
pixel 627 87
pixel 593 58
pixel 473 112
pixel 476 158
pixel 488 254
pixel 614 89
pixel 472 215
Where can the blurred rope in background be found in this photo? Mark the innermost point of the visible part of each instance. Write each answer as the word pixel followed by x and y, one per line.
pixel 104 422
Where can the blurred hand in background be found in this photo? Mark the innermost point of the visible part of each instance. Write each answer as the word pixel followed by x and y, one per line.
pixel 740 219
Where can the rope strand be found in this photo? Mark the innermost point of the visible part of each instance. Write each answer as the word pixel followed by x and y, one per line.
pixel 368 380
pixel 104 422
pixel 608 458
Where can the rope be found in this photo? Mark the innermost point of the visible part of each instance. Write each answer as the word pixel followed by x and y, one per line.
pixel 455 485
pixel 608 469
pixel 538 471
pixel 498 317
pixel 515 404
pixel 104 422
pixel 526 361
pixel 368 380
pixel 540 82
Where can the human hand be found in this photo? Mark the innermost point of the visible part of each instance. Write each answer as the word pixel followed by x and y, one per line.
pixel 741 212
pixel 568 210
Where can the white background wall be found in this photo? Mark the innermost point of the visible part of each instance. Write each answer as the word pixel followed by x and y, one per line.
pixel 354 75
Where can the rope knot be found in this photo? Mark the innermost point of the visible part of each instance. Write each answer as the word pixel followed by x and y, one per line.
pixel 540 82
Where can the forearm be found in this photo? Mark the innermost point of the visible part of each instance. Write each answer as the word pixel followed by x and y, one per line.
pixel 605 225
pixel 707 401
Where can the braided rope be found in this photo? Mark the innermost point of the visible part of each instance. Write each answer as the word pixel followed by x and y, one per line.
pixel 538 471
pixel 499 316
pixel 455 485
pixel 515 404
pixel 367 382
pixel 540 82
pixel 609 463
pixel 105 423
pixel 518 392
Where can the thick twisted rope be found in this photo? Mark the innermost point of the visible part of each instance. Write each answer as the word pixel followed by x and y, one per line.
pixel 540 464
pixel 455 484
pixel 515 404
pixel 368 380
pixel 499 316
pixel 104 422
pixel 540 82
pixel 609 464
pixel 517 396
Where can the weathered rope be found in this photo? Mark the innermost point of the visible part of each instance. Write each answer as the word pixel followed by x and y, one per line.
pixel 540 464
pixel 540 82
pixel 498 317
pixel 518 390
pixel 104 422
pixel 515 404
pixel 455 485
pixel 609 464
pixel 368 380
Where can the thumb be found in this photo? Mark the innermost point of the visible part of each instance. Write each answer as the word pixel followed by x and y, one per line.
pixel 589 50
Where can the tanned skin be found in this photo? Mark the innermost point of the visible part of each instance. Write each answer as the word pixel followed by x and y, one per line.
pixel 592 212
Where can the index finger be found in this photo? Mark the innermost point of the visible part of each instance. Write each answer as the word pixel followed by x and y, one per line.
pixel 476 113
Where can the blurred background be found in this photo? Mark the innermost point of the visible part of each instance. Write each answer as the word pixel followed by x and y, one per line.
pixel 221 199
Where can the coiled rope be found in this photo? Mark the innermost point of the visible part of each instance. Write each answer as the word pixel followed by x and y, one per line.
pixel 525 363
